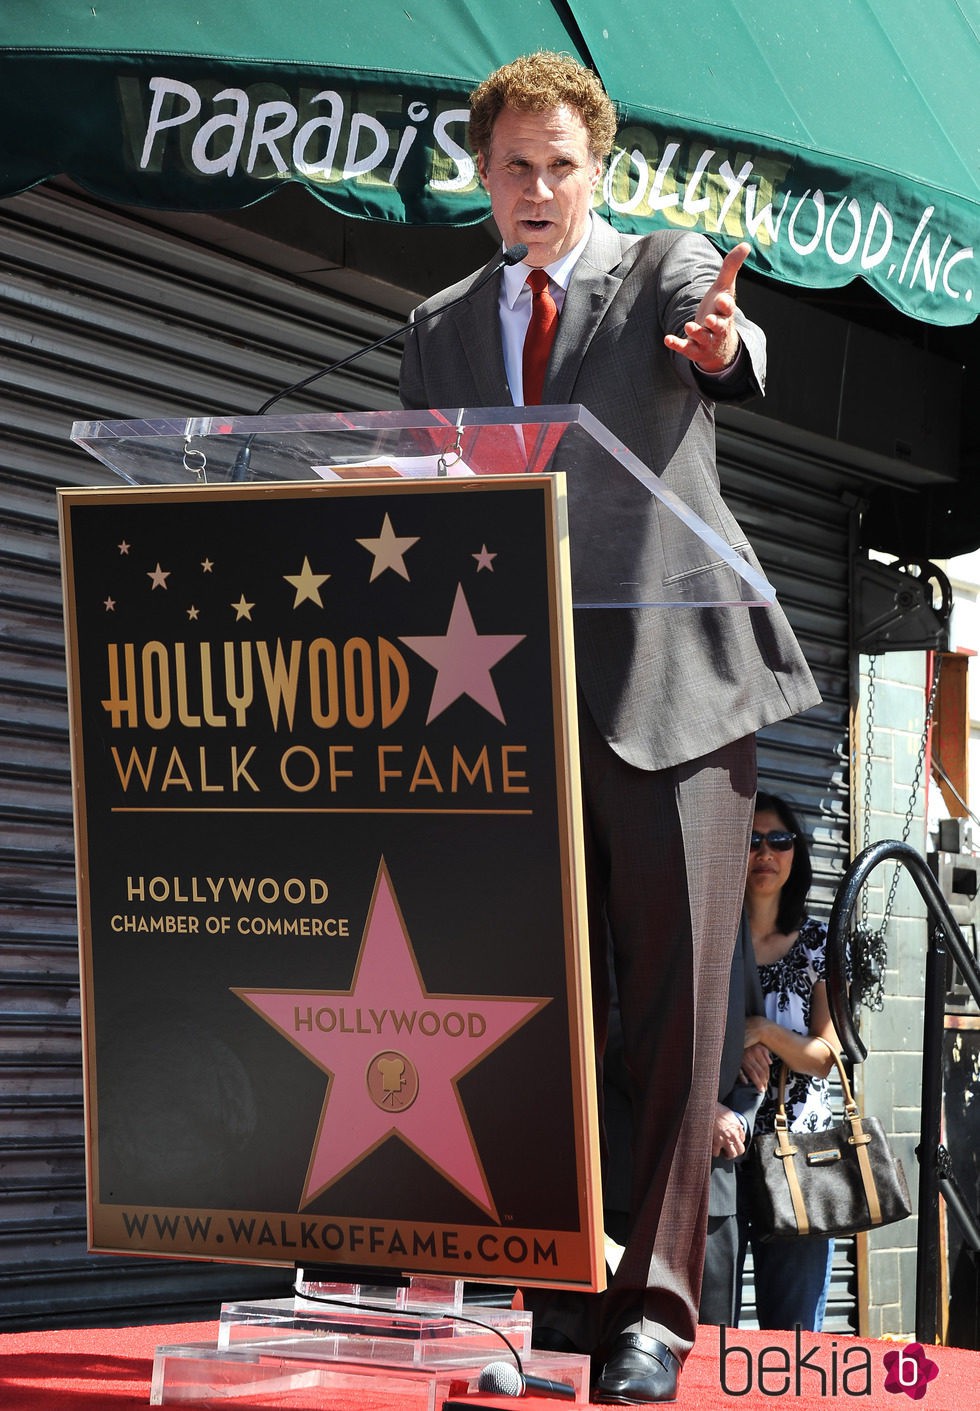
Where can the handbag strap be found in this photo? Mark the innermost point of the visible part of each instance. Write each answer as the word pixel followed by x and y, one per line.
pixel 785 1151
pixel 858 1138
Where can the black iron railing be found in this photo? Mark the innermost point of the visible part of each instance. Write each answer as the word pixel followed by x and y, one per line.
pixel 935 1171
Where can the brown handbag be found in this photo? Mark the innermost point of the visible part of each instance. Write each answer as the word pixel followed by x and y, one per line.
pixel 836 1182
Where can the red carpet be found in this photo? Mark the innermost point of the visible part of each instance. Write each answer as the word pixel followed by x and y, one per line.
pixel 109 1369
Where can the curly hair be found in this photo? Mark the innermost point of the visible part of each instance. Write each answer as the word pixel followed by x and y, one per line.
pixel 792 899
pixel 536 83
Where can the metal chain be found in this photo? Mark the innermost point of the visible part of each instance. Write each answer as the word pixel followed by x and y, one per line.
pixel 870 950
pixel 869 737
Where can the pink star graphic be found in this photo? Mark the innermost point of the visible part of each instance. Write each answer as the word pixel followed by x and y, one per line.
pixel 394 1054
pixel 462 659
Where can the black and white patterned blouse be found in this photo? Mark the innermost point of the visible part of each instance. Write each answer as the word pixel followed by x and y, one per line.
pixel 787 988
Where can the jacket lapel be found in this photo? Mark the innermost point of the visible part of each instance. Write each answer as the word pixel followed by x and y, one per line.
pixel 477 322
pixel 594 284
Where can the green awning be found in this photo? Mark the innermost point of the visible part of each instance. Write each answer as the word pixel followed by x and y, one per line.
pixel 840 137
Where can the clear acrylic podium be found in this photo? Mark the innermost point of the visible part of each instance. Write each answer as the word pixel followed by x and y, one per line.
pixel 416 1345
pixel 412 1348
pixel 617 555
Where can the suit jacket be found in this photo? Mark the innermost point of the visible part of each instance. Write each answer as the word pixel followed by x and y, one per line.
pixel 664 686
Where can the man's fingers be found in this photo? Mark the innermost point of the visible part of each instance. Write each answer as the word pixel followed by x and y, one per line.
pixel 731 265
pixel 722 310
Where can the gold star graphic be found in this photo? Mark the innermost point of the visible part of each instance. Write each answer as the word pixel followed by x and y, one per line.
pixel 159 578
pixel 242 609
pixel 207 565
pixel 193 613
pixel 307 584
pixel 389 551
pixel 110 604
pixel 123 547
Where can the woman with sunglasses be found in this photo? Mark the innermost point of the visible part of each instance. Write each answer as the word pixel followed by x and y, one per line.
pixel 791 1277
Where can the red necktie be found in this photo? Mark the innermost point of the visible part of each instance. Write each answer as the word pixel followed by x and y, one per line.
pixel 539 337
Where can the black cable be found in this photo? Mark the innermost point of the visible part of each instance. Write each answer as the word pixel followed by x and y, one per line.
pixel 511 256
pixel 414 1313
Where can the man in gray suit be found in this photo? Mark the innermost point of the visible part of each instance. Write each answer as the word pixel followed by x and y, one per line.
pixel 648 337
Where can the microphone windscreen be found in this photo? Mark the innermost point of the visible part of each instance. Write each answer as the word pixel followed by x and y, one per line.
pixel 514 254
pixel 501 1379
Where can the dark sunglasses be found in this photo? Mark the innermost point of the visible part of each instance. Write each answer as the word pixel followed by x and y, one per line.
pixel 779 840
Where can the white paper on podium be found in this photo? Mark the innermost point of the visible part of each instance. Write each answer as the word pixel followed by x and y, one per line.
pixel 404 467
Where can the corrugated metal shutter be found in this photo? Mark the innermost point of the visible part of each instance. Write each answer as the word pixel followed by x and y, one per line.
pixel 101 316
pixel 798 509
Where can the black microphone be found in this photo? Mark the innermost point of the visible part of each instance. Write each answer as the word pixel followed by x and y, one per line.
pixel 511 256
pixel 502 1379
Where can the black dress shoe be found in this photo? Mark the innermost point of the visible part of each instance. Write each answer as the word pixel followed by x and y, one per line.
pixel 550 1340
pixel 639 1370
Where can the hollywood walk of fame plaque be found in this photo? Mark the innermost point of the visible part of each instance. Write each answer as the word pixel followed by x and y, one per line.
pixel 335 995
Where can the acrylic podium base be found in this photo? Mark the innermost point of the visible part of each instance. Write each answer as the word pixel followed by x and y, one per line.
pixel 360 1346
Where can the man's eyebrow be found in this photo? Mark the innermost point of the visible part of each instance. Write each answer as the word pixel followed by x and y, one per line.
pixel 517 154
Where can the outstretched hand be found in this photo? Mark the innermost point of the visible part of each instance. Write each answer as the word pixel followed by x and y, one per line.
pixel 711 340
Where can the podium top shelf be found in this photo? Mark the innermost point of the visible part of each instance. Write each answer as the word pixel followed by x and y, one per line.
pixel 620 513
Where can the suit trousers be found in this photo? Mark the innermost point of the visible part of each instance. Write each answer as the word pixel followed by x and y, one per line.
pixel 719 1298
pixel 666 854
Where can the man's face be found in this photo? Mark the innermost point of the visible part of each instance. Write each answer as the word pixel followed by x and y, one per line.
pixel 541 176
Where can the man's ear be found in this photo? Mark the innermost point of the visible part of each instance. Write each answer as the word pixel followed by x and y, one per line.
pixel 481 167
